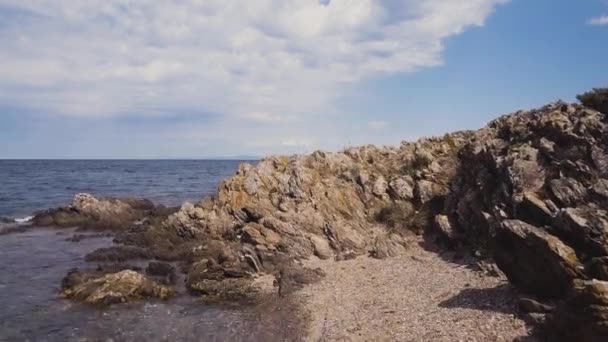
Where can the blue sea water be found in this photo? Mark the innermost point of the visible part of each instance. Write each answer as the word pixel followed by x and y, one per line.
pixel 27 186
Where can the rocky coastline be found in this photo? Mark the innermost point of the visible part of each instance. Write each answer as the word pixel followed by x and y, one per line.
pixel 527 196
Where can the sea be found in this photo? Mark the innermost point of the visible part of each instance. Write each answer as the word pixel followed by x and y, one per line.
pixel 33 261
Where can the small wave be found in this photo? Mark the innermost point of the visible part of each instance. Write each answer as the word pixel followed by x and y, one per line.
pixel 26 219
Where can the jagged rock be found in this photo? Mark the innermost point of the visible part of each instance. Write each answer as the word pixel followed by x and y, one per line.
pixel 534 260
pixel 534 210
pixel 114 288
pixel 568 191
pixel 252 234
pixel 587 230
pixel 400 188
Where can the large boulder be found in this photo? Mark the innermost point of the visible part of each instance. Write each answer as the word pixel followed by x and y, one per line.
pixel 536 261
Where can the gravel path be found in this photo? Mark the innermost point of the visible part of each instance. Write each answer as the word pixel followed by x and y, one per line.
pixel 416 297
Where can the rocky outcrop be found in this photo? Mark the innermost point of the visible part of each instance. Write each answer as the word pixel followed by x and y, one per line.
pixel 87 211
pixel 363 201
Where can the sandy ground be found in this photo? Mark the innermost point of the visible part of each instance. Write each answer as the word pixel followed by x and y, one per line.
pixel 415 297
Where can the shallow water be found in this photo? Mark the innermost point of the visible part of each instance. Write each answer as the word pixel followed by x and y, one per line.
pixel 32 263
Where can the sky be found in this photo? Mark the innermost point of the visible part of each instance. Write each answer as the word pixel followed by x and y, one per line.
pixel 131 79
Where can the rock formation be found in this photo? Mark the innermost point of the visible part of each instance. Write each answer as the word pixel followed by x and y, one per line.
pixel 87 211
pixel 112 288
pixel 529 190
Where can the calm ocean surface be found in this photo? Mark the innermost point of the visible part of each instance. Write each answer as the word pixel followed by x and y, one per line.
pixel 32 263
pixel 30 185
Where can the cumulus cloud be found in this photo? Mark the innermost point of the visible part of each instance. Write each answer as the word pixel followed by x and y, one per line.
pixel 219 77
pixel 258 59
pixel 603 20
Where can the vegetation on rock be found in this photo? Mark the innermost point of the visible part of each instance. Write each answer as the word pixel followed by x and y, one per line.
pixel 596 99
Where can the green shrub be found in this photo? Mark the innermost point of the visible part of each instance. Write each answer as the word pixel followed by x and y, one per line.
pixel 596 99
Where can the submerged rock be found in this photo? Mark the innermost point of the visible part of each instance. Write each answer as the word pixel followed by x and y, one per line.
pixel 121 287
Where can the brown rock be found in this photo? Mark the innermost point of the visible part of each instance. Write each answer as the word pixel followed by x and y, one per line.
pixel 252 234
pixel 534 260
pixel 586 230
pixel 568 191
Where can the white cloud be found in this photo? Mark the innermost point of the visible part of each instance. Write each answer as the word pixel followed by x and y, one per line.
pixel 603 20
pixel 278 64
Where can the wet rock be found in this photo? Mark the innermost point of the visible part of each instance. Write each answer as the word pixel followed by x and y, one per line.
pixel 114 288
pixel 227 289
pixel 163 270
pixel 536 261
pixel 99 213
pixel 118 254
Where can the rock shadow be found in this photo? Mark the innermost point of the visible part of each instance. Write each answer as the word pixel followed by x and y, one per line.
pixel 496 299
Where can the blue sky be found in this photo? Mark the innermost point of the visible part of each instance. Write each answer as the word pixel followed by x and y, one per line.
pixel 227 78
